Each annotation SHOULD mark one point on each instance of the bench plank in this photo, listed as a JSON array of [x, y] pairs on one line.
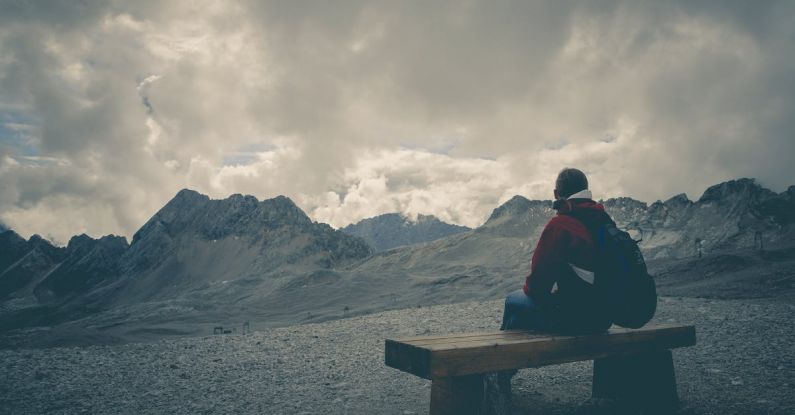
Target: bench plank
[[442, 343], [584, 341], [460, 354]]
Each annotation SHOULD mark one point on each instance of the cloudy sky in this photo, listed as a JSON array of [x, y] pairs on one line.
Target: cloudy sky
[[353, 108]]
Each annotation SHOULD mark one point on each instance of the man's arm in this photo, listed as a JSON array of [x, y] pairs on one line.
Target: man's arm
[[549, 255]]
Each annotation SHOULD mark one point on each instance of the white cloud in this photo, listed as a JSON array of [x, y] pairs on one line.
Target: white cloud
[[357, 108], [458, 190]]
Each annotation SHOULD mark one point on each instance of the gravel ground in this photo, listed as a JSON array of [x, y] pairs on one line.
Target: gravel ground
[[744, 363]]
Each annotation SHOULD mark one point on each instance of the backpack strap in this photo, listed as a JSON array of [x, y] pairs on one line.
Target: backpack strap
[[593, 222]]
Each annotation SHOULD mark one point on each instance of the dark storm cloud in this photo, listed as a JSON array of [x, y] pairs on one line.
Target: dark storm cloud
[[357, 108]]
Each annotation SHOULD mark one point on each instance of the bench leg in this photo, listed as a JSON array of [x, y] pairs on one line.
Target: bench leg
[[487, 394], [643, 381], [456, 395]]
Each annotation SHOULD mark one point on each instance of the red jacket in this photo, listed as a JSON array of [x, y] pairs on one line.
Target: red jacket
[[564, 241]]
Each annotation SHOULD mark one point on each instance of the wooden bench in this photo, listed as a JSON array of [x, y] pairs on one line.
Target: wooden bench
[[630, 366]]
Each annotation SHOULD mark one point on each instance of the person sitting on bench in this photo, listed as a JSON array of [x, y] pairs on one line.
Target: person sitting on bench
[[558, 294]]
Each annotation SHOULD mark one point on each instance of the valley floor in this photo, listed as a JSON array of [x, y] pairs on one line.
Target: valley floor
[[744, 363]]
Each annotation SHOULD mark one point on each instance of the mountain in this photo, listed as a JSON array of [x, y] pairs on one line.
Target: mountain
[[194, 243], [48, 284], [14, 247], [485, 262], [194, 257], [199, 263], [392, 230], [728, 215], [87, 263], [25, 263]]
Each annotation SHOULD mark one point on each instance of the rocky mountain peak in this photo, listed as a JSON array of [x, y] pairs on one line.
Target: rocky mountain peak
[[188, 196], [514, 205], [190, 212], [273, 232], [625, 210], [80, 242], [10, 237], [238, 201], [36, 239], [44, 246], [517, 205], [679, 200], [624, 203], [183, 205], [519, 217], [281, 210], [426, 218], [733, 189], [113, 241]]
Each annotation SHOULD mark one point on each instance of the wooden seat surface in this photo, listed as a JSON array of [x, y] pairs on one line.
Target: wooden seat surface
[[462, 354]]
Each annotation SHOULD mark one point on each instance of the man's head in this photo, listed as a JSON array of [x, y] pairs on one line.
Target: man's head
[[569, 182]]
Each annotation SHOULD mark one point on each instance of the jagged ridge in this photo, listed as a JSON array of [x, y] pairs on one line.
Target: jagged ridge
[[392, 230]]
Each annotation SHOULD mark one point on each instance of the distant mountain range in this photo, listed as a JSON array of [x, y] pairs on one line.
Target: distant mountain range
[[728, 215], [193, 248], [393, 230], [200, 262]]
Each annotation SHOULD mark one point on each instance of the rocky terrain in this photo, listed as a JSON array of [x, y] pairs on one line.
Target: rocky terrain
[[743, 363], [730, 274], [393, 230]]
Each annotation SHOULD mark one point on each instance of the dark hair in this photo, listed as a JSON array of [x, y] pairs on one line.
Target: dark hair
[[570, 181]]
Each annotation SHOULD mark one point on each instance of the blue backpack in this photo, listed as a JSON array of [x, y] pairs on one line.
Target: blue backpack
[[621, 281]]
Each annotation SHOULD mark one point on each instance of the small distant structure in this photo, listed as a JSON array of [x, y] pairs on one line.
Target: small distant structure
[[699, 247], [218, 330], [345, 310], [758, 241], [227, 331], [246, 327]]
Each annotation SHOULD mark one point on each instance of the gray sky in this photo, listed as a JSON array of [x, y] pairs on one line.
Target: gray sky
[[353, 109]]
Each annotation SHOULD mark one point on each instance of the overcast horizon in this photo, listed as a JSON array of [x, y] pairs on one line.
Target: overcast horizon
[[354, 109], [410, 216]]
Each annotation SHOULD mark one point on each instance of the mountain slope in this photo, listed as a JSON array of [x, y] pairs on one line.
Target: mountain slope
[[88, 263]]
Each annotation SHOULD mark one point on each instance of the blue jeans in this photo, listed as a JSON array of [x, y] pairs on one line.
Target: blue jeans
[[522, 313]]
